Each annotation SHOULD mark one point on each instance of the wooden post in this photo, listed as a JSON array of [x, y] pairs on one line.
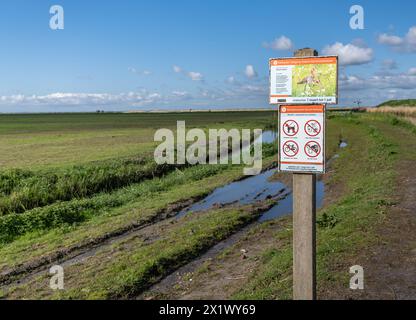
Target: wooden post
[[304, 227], [304, 236]]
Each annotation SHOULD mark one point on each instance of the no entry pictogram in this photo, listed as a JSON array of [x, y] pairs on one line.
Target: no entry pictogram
[[290, 148], [302, 138], [312, 128], [312, 149], [290, 128]]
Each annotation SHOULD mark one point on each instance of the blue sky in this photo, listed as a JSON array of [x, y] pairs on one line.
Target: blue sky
[[123, 55]]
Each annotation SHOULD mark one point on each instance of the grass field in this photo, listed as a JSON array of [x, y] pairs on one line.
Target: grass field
[[66, 205], [55, 140]]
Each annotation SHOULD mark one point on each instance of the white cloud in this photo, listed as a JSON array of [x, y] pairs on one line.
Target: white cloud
[[404, 81], [282, 43], [195, 76], [389, 40], [177, 69], [412, 71], [231, 80], [349, 54], [135, 71], [407, 43], [250, 72], [59, 99], [375, 89]]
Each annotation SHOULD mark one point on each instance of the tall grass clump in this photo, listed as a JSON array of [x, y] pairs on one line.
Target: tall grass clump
[[77, 211], [22, 190]]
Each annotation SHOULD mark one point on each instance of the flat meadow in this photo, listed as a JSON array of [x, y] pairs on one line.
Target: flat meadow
[[84, 190]]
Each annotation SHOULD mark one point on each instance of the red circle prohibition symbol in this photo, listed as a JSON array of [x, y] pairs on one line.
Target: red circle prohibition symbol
[[290, 148], [312, 128], [312, 149], [290, 128]]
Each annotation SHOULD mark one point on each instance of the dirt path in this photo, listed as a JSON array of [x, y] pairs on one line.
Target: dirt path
[[222, 270], [227, 267], [390, 265], [90, 246], [81, 251]]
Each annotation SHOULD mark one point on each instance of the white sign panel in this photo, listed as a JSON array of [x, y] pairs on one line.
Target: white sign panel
[[303, 80], [301, 138]]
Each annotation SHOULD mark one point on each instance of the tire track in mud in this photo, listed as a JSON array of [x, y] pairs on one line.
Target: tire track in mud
[[216, 286], [61, 256], [148, 235], [82, 251]]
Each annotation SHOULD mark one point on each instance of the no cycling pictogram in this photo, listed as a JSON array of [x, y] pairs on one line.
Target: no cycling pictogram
[[312, 149], [290, 128], [312, 128], [290, 148]]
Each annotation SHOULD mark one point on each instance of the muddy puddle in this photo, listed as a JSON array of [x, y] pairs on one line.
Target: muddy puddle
[[284, 206], [255, 188], [250, 190]]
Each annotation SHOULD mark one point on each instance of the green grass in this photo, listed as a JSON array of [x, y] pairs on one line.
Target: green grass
[[22, 190], [129, 272], [38, 141], [79, 210], [45, 230], [65, 177], [399, 103], [177, 185], [365, 168]]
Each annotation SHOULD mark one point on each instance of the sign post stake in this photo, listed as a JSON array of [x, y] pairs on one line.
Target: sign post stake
[[304, 227], [301, 87], [304, 236]]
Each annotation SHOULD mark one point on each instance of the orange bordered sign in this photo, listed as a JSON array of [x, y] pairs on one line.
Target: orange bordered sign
[[304, 80], [302, 138]]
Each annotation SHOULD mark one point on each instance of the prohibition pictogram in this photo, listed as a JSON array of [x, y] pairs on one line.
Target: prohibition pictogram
[[290, 148], [312, 128], [290, 128], [312, 149]]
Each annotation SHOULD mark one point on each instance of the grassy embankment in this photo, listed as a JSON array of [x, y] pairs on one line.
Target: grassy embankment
[[366, 170], [402, 108]]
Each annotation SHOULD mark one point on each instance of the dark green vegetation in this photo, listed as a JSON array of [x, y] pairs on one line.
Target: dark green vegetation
[[399, 103], [22, 189]]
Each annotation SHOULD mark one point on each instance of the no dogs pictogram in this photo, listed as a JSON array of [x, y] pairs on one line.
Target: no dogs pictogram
[[302, 138], [312, 149], [290, 128], [312, 128], [290, 148]]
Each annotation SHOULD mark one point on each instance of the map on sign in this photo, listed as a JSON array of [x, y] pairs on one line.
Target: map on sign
[[304, 80], [301, 138]]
